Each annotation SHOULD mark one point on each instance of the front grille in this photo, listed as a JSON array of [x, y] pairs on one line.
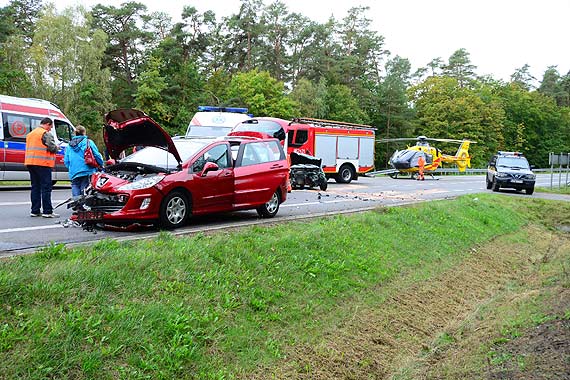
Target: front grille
[[106, 202]]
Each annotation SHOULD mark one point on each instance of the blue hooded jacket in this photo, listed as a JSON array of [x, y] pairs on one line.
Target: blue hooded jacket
[[74, 157]]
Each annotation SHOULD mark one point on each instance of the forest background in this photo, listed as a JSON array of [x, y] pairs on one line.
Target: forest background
[[276, 63]]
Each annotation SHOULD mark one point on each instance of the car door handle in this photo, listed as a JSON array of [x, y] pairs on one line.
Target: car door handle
[[276, 166]]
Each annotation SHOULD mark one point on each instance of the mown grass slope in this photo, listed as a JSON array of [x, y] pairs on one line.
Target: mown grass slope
[[235, 304]]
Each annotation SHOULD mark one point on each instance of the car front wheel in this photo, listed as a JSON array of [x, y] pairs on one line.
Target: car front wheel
[[530, 190], [496, 185], [269, 209], [489, 184], [174, 210]]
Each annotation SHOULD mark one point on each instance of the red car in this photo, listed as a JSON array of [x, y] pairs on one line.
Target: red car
[[169, 180]]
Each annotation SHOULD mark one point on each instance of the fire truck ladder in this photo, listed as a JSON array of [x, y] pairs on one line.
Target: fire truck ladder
[[330, 123]]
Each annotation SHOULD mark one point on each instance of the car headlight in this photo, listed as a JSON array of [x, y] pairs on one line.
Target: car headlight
[[502, 175], [530, 176], [144, 183]]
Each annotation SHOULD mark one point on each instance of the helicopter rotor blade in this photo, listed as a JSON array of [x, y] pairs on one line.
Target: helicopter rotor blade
[[397, 139]]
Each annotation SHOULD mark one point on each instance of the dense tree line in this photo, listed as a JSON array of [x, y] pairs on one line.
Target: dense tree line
[[276, 63]]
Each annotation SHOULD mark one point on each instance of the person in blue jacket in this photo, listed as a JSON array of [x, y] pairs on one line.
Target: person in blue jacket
[[79, 171]]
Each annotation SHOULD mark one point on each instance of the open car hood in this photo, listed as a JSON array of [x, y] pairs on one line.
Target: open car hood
[[126, 128]]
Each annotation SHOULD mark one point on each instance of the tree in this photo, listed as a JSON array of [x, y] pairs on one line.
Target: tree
[[551, 85], [126, 47], [312, 98], [262, 94], [460, 67], [523, 77], [66, 58], [447, 110], [148, 97]]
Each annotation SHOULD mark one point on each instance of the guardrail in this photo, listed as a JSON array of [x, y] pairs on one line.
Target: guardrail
[[558, 176]]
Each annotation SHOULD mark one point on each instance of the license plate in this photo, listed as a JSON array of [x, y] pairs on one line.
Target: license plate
[[89, 215], [517, 181]]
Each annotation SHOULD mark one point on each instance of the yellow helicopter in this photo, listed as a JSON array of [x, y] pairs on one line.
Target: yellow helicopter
[[406, 161]]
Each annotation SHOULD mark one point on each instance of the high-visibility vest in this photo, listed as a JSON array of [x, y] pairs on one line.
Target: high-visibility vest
[[36, 151]]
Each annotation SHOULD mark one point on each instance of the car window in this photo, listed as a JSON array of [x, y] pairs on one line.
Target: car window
[[63, 130], [16, 127], [260, 152], [218, 155]]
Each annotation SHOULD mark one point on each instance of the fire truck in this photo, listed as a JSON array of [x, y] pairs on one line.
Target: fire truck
[[346, 149], [18, 116]]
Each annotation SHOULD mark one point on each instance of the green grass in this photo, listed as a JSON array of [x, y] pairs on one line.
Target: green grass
[[555, 189], [212, 306]]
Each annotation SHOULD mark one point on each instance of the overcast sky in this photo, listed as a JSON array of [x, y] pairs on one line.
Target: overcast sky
[[500, 35]]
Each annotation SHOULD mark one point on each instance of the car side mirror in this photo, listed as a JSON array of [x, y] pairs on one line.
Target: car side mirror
[[208, 167], [532, 167]]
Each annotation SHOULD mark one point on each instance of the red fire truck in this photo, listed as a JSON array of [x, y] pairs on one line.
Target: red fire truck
[[346, 149]]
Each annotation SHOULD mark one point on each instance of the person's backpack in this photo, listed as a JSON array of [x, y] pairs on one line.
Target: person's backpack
[[89, 156]]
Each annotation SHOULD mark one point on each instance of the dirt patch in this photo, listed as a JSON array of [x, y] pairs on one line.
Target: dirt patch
[[433, 328]]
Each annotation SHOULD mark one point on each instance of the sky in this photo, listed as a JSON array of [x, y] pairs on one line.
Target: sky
[[500, 35]]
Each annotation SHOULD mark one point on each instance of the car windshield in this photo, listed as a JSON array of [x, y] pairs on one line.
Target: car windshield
[[263, 126], [207, 131], [513, 162], [163, 159]]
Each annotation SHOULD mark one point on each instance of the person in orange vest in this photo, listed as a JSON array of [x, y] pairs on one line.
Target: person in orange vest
[[40, 161], [421, 164]]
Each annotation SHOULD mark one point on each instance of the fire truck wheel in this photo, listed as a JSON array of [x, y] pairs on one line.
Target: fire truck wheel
[[345, 174]]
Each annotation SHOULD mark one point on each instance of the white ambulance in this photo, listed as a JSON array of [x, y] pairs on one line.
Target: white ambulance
[[19, 116], [212, 121]]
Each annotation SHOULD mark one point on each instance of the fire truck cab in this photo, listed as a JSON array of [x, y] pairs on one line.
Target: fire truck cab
[[18, 117], [346, 149]]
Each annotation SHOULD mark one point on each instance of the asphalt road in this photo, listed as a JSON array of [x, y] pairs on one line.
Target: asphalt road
[[19, 233]]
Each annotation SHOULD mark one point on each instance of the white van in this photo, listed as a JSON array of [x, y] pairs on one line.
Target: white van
[[211, 121], [19, 116]]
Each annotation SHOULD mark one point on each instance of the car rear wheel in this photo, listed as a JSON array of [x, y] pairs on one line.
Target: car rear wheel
[[530, 190], [269, 209], [345, 174], [174, 210]]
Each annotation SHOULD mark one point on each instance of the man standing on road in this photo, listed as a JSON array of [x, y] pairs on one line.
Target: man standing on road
[[421, 164], [79, 171], [40, 161]]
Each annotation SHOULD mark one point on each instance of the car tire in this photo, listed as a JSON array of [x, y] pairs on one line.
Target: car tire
[[174, 210], [269, 209], [323, 186], [495, 185], [345, 174], [530, 190]]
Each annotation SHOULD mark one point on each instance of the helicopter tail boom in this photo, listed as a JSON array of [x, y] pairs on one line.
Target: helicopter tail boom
[[461, 158]]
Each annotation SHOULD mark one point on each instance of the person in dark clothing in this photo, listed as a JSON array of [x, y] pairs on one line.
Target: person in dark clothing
[[40, 161]]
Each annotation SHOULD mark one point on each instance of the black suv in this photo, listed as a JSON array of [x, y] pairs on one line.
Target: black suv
[[510, 170]]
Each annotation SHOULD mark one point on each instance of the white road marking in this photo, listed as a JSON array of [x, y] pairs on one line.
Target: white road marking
[[22, 229], [54, 201]]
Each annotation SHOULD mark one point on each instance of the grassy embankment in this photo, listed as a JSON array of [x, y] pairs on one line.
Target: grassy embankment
[[221, 306]]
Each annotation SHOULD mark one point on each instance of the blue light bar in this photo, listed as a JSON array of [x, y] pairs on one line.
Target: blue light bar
[[222, 109]]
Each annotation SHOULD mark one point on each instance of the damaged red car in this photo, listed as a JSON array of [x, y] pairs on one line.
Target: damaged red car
[[169, 180]]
